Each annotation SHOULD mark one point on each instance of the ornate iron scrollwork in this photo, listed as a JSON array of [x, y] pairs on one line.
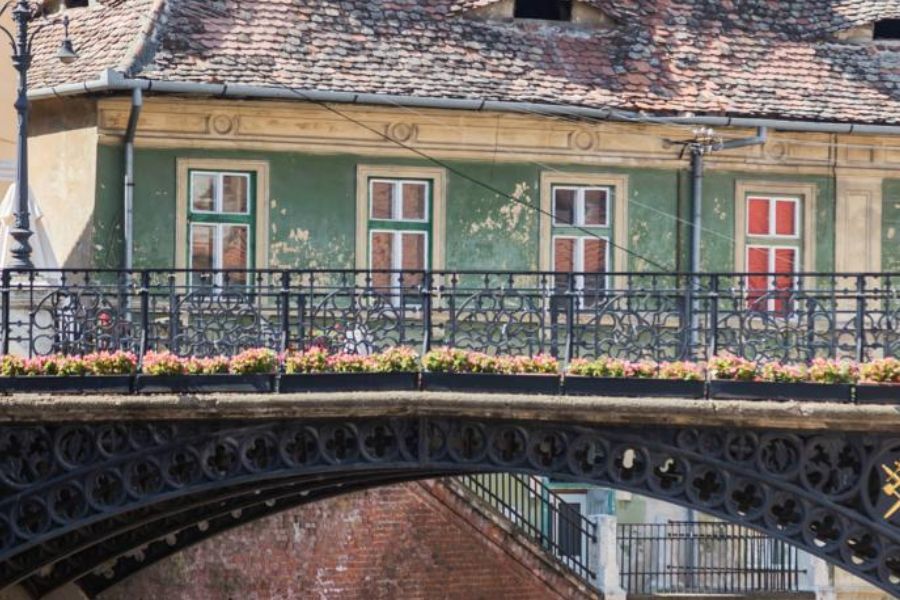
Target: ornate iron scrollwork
[[68, 487]]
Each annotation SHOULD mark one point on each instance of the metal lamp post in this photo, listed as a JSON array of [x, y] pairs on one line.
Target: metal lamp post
[[21, 40]]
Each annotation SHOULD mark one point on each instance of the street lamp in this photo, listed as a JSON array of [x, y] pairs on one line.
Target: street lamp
[[23, 12]]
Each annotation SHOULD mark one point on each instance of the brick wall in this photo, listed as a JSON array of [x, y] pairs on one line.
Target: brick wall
[[418, 540]]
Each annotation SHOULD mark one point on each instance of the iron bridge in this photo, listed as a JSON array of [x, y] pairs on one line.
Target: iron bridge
[[90, 500]]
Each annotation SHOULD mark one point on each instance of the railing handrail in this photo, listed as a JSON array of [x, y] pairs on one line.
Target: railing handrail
[[659, 316], [676, 557], [508, 493]]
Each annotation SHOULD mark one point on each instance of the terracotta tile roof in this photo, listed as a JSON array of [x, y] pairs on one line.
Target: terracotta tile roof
[[735, 57]]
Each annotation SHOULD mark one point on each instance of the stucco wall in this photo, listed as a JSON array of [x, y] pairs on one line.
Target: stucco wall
[[890, 214], [312, 211], [63, 164], [7, 112]]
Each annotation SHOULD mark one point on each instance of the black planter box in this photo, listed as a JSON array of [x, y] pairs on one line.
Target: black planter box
[[67, 384], [348, 382], [875, 393], [631, 387], [491, 383], [765, 390], [198, 384]]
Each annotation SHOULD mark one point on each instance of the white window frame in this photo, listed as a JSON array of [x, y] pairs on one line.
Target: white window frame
[[770, 279], [578, 266], [578, 220], [773, 200], [397, 199], [218, 248], [219, 191]]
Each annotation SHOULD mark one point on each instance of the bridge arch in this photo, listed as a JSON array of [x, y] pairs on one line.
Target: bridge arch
[[77, 495]]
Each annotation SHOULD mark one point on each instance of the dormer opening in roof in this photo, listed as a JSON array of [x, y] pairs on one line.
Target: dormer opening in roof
[[576, 12], [54, 6], [546, 10], [886, 30], [880, 32]]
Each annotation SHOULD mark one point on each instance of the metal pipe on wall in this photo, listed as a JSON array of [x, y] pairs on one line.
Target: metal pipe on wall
[[137, 102]]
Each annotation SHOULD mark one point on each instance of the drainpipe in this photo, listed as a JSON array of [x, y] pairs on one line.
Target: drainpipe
[[137, 102], [698, 149]]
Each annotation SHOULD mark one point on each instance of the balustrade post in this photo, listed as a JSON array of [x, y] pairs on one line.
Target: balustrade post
[[427, 301], [860, 318], [570, 320], [4, 291], [714, 317], [285, 311], [144, 294], [603, 558]]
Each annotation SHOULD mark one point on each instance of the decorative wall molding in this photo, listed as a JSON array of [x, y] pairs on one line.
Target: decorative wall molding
[[470, 135]]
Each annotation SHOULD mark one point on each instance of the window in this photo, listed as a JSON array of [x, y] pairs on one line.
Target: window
[[887, 29], [549, 10], [772, 251], [399, 228], [581, 229], [220, 224]]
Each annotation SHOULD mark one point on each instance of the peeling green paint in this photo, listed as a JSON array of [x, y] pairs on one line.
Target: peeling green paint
[[312, 212], [890, 220]]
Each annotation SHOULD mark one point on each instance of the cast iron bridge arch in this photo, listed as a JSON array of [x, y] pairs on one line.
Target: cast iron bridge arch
[[93, 502]]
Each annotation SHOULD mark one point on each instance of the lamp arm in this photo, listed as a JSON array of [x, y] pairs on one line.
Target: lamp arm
[[6, 6], [9, 36], [36, 29]]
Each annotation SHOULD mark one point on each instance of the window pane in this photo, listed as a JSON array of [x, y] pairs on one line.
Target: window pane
[[413, 258], [758, 216], [563, 255], [595, 208], [235, 251], [757, 285], [785, 217], [785, 260], [594, 262], [382, 200], [594, 256], [235, 194], [203, 243], [564, 207], [203, 192], [382, 253], [414, 198]]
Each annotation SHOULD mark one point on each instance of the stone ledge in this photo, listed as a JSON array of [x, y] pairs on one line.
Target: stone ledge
[[586, 410]]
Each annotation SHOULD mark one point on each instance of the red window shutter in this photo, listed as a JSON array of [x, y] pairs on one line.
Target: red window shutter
[[382, 257], [758, 216], [785, 263], [383, 200], [757, 284], [413, 258], [785, 217]]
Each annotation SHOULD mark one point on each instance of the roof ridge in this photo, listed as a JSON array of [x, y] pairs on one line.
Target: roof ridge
[[145, 43]]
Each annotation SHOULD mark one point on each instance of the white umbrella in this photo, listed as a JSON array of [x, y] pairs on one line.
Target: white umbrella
[[42, 256]]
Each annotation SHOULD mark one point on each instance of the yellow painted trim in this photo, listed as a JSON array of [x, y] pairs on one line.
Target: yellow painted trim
[[455, 134], [808, 194], [858, 221], [260, 168], [619, 185], [438, 179]]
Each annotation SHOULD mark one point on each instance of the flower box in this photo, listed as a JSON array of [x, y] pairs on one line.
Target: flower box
[[348, 382], [633, 387], [491, 383], [878, 393], [191, 384], [728, 389], [67, 384]]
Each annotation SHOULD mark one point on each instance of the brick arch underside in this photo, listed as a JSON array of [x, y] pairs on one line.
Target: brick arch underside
[[126, 495]]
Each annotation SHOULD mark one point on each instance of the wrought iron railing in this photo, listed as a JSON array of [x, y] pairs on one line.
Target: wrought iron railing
[[539, 514], [704, 558], [633, 315]]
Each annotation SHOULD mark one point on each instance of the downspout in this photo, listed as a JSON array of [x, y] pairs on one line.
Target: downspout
[[137, 102], [698, 149]]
